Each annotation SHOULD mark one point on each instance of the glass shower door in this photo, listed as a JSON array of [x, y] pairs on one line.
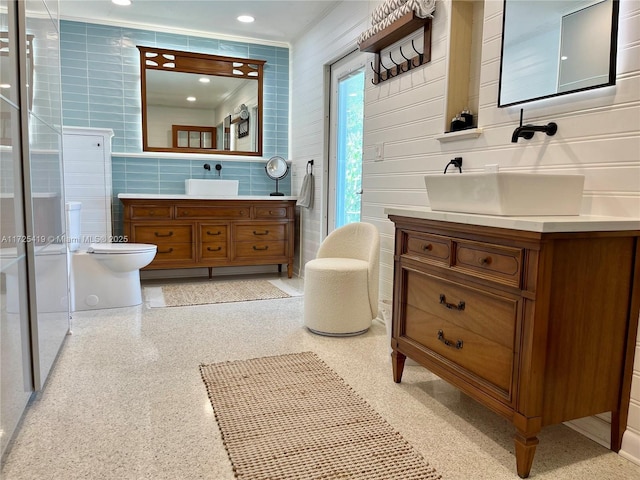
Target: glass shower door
[[16, 379]]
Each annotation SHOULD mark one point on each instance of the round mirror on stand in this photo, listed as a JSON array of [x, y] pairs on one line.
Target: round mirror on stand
[[276, 169]]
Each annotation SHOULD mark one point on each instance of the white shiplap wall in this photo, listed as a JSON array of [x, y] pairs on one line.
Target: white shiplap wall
[[598, 136], [331, 39]]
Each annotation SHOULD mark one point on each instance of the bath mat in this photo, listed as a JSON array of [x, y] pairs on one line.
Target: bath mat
[[213, 291], [291, 417]]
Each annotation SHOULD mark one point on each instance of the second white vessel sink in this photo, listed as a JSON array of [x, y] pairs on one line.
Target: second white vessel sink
[[506, 193], [197, 186]]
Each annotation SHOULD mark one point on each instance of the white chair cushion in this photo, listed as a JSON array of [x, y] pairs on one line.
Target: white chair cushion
[[336, 298]]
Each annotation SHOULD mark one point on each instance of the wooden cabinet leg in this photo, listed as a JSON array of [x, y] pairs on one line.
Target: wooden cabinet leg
[[397, 362], [525, 450], [210, 273], [290, 270]]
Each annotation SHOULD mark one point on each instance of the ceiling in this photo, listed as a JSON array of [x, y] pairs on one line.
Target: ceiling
[[276, 21]]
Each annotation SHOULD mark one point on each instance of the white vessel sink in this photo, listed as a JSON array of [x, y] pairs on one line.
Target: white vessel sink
[[506, 193], [195, 186]]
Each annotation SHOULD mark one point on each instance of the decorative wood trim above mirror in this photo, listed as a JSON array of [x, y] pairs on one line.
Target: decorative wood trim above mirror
[[165, 106]]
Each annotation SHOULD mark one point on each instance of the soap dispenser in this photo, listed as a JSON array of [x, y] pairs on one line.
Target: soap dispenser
[[457, 123], [467, 116]]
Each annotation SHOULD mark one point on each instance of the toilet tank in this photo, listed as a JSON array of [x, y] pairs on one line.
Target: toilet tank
[[73, 225]]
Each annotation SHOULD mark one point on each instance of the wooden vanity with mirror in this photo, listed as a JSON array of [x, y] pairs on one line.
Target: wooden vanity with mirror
[[196, 232], [537, 320]]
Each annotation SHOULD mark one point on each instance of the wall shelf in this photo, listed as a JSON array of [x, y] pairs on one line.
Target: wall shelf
[[459, 135], [394, 32], [464, 62], [398, 30]]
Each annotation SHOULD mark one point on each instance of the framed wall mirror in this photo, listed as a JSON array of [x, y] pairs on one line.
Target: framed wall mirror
[[556, 47], [187, 95]]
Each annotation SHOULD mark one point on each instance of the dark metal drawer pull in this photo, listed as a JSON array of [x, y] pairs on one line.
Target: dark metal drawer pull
[[166, 251], [485, 261], [157, 234], [451, 306], [212, 233], [266, 232], [449, 343], [427, 248], [217, 249], [266, 247]]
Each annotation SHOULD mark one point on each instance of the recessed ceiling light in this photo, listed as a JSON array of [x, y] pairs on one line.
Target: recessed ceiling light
[[191, 99], [5, 85], [246, 18], [204, 80], [122, 2]]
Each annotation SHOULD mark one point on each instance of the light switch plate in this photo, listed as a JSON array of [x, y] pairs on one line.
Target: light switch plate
[[379, 152]]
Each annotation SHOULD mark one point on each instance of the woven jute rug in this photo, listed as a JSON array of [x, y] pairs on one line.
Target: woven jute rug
[[291, 417], [213, 291]]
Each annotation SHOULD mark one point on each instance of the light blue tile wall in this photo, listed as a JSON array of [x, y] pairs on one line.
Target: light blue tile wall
[[101, 88]]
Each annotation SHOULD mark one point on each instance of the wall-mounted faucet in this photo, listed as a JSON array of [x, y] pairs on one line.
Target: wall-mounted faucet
[[527, 131], [207, 167], [456, 162]]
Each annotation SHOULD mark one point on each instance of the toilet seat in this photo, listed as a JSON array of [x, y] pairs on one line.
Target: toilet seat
[[121, 248]]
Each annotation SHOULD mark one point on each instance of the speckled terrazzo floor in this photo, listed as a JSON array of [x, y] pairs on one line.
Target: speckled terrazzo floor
[[126, 401]]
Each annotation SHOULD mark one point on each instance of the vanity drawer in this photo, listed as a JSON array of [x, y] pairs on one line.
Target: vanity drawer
[[431, 248], [162, 234], [173, 252], [499, 263], [213, 212], [260, 232], [150, 212], [213, 233], [472, 328], [260, 249], [214, 250], [270, 212], [214, 241]]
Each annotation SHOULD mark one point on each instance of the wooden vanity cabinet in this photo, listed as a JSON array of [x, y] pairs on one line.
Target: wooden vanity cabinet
[[539, 327], [193, 233]]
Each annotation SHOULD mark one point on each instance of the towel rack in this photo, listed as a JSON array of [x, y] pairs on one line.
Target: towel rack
[[310, 166]]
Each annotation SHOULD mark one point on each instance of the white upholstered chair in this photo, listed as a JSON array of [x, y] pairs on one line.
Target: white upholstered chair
[[341, 283]]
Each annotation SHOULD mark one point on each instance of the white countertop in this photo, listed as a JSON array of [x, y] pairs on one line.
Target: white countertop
[[548, 224], [178, 196]]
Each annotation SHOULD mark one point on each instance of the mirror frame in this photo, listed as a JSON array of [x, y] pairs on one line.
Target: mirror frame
[[613, 53], [204, 64]]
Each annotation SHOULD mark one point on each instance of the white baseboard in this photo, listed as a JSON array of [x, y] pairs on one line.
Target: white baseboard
[[596, 428], [631, 446]]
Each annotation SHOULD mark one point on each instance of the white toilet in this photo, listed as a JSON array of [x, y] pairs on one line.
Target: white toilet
[[104, 275]]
